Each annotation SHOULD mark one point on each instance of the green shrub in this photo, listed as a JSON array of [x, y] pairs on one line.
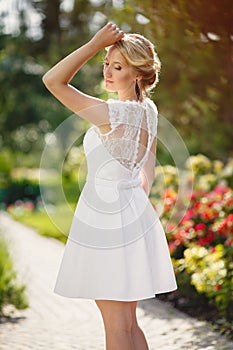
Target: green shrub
[[10, 292], [20, 190]]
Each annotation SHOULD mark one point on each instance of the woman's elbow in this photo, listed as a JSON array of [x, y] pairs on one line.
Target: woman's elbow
[[48, 80], [52, 84]]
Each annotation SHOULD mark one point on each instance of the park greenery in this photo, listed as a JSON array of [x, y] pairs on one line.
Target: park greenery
[[11, 292], [194, 43]]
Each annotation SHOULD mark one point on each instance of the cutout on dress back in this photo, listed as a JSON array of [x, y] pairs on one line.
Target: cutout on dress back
[[128, 140]]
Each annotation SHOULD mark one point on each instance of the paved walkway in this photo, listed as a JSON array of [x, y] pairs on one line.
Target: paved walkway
[[56, 323]]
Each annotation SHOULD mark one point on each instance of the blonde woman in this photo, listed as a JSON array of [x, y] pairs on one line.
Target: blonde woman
[[116, 252]]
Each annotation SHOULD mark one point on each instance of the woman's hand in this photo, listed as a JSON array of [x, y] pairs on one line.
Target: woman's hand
[[107, 36]]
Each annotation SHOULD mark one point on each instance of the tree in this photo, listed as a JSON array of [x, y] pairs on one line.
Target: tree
[[193, 41], [195, 46]]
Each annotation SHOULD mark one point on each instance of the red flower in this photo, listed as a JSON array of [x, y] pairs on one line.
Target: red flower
[[209, 214], [200, 226], [218, 287], [226, 226], [193, 196], [197, 205], [206, 240], [229, 203]]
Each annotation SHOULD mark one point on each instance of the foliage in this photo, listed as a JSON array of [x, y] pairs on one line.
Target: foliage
[[201, 244], [194, 88], [194, 44], [22, 183], [36, 216], [11, 293], [24, 202]]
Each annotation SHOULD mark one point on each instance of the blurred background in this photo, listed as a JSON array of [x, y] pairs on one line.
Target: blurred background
[[194, 43]]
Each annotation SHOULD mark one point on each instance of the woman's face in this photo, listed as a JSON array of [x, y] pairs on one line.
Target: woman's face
[[119, 76]]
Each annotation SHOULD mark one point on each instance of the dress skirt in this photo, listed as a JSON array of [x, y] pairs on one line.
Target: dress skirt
[[116, 248]]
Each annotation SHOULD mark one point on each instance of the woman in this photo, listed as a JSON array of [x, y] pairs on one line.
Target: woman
[[116, 252]]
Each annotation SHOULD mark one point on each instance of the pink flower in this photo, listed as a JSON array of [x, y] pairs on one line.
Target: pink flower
[[221, 189], [188, 215], [172, 247], [28, 206], [229, 242], [171, 226]]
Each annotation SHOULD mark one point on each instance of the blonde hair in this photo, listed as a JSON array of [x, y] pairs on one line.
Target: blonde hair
[[140, 53]]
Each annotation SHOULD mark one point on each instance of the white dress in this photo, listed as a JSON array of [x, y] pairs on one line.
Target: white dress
[[117, 248]]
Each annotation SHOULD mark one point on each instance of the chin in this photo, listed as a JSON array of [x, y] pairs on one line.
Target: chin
[[110, 90]]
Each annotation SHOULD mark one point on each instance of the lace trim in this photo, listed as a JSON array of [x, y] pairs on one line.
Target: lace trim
[[122, 141]]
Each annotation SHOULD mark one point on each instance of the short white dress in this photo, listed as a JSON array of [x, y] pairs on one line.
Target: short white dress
[[117, 248]]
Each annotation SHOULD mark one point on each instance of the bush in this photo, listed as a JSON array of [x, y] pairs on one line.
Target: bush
[[18, 190], [201, 245], [10, 292], [22, 184]]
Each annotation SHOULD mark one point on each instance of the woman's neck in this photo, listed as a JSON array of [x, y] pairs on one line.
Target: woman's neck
[[129, 97]]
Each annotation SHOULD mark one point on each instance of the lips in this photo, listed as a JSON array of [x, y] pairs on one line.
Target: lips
[[108, 81]]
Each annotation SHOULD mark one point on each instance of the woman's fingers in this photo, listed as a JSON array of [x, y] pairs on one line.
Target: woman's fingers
[[108, 35], [115, 32], [118, 32], [115, 28]]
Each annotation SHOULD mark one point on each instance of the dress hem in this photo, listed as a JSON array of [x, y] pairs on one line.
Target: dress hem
[[115, 298]]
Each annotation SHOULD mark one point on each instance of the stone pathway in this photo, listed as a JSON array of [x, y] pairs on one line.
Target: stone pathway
[[56, 323]]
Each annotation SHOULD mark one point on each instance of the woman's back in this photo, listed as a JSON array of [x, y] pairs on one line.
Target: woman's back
[[133, 129]]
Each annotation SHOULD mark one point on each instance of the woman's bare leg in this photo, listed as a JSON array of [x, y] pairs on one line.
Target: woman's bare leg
[[139, 339], [117, 318]]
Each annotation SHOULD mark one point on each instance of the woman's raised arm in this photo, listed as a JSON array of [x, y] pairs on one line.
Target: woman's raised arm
[[58, 77]]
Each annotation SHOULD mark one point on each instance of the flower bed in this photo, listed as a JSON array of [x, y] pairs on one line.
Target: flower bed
[[201, 244]]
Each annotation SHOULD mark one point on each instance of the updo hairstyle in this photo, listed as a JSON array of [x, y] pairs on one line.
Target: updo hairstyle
[[139, 52]]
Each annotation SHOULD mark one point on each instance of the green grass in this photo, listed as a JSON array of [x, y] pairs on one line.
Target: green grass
[[55, 225]]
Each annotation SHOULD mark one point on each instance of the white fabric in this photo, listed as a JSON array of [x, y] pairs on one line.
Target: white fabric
[[116, 248], [127, 120]]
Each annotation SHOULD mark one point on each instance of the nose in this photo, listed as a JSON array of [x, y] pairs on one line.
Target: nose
[[107, 72]]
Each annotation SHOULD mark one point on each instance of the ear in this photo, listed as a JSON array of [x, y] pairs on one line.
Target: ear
[[138, 77]]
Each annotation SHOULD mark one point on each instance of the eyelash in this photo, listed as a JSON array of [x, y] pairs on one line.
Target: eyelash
[[107, 64]]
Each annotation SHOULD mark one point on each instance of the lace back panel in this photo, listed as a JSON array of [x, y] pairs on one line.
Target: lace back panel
[[133, 128]]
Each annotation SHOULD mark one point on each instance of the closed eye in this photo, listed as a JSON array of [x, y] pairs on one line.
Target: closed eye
[[105, 63]]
